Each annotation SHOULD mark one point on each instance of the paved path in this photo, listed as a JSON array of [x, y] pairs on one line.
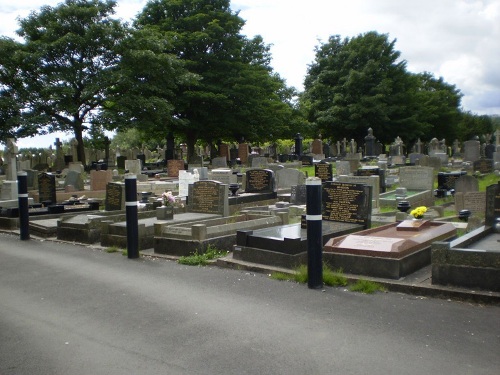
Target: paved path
[[70, 309]]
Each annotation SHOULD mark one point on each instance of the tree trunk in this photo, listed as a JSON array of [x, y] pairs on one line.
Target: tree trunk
[[190, 142], [80, 149]]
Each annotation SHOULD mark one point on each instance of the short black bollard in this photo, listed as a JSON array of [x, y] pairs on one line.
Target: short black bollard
[[132, 219], [24, 216], [314, 233]]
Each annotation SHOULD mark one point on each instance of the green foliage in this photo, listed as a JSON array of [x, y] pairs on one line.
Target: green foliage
[[333, 278], [113, 249], [366, 286], [330, 278], [202, 259]]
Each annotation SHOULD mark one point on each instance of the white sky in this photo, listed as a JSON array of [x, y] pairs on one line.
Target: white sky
[[458, 40]]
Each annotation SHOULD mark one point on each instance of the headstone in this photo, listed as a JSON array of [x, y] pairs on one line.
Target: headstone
[[185, 179], [133, 166], [10, 153], [472, 150], [434, 147], [224, 176], [343, 168], [434, 162], [416, 178], [76, 166], [483, 166], [373, 181], [74, 179], [317, 146], [347, 203], [398, 160], [298, 144], [208, 197], [370, 149], [115, 196], [243, 152], [372, 171], [492, 204], [307, 160], [258, 161], [259, 181], [100, 179], [288, 177], [298, 194], [414, 157], [174, 166], [489, 150], [47, 188], [59, 163], [447, 180], [472, 201], [465, 184], [324, 171], [224, 151], [219, 162]]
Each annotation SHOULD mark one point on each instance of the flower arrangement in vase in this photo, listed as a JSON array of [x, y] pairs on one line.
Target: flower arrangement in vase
[[167, 198], [418, 213]]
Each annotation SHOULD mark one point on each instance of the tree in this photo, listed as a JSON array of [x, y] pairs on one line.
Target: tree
[[67, 64], [471, 125], [358, 83], [237, 95]]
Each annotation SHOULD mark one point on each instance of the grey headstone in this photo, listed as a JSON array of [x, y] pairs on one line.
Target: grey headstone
[[466, 184], [416, 178]]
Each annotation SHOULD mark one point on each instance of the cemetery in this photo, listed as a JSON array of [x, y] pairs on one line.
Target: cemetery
[[253, 204]]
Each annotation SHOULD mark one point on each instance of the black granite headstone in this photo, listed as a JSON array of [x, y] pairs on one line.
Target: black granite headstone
[[307, 160], [446, 181], [492, 204], [323, 171], [114, 196], [298, 194], [47, 187], [347, 203], [259, 181]]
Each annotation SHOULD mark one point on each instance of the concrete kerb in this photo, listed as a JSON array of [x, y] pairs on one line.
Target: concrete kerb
[[434, 291]]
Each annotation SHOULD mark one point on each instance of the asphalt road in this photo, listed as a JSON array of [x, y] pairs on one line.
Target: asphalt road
[[70, 309]]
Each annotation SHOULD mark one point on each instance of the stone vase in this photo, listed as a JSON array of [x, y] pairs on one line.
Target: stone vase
[[165, 212]]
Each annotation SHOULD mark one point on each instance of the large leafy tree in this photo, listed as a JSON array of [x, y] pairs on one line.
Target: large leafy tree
[[236, 95], [358, 83], [66, 65]]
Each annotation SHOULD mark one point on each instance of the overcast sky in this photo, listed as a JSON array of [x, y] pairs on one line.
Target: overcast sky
[[458, 40]]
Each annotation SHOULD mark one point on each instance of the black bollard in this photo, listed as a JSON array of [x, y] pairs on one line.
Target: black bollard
[[314, 233], [24, 216], [132, 220]]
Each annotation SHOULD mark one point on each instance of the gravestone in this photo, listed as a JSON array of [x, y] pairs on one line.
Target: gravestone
[[483, 166], [416, 178], [424, 161], [224, 176], [224, 152], [99, 179], [324, 171], [288, 177], [260, 181], [343, 168], [185, 179], [374, 171], [373, 181], [465, 184], [115, 196], [317, 146], [120, 161], [347, 203], [208, 197], [74, 178], [298, 195], [414, 157], [47, 188], [447, 180], [258, 161], [219, 162], [492, 204], [472, 201], [370, 149], [174, 166], [243, 152], [472, 150], [307, 160], [133, 166], [32, 179], [398, 160]]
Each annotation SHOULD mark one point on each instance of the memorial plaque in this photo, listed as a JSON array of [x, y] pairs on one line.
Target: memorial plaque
[[174, 166], [347, 203], [115, 199], [47, 187], [483, 166], [298, 194], [259, 181], [323, 171], [208, 197]]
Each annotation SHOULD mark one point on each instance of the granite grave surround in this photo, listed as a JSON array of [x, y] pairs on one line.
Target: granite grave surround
[[472, 260], [283, 246], [391, 251], [187, 238]]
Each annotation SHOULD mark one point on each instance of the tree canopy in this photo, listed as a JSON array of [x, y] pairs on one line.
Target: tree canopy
[[65, 66], [360, 83]]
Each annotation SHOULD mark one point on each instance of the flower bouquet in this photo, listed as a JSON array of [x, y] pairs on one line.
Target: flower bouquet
[[418, 213]]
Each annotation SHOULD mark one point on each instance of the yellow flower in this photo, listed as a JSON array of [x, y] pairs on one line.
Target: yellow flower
[[418, 212]]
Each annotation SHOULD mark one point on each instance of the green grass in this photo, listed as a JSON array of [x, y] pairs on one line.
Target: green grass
[[487, 180], [113, 249], [330, 278], [202, 259], [367, 287]]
